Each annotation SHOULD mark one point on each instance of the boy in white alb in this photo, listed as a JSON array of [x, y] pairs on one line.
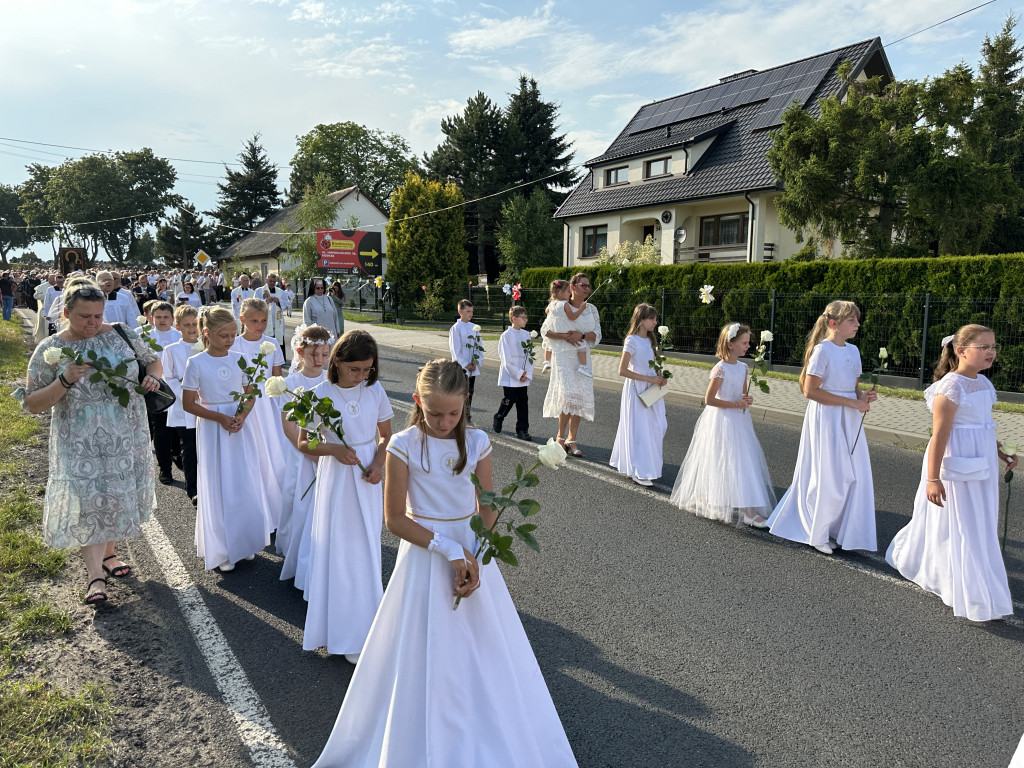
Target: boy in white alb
[[467, 348], [174, 357], [515, 352]]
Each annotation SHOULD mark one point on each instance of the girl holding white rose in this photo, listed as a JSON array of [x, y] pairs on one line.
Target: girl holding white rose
[[724, 475], [641, 432], [266, 411], [832, 495], [951, 545], [231, 507], [437, 686]]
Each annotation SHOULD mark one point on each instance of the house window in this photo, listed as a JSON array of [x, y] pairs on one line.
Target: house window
[[618, 175], [727, 229], [659, 167], [594, 239]]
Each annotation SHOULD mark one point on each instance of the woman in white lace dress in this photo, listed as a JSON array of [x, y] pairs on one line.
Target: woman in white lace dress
[[570, 395]]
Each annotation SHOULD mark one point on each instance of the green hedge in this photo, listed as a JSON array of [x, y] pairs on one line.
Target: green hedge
[[890, 292]]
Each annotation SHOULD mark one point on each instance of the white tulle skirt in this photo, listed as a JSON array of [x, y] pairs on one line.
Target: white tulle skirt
[[953, 551], [271, 447], [639, 439], [832, 495], [724, 475], [231, 509], [436, 687], [294, 527]]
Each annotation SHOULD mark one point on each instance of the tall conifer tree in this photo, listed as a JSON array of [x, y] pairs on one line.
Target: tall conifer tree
[[249, 195]]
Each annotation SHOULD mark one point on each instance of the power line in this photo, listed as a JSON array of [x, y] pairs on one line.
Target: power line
[[111, 151], [938, 23]]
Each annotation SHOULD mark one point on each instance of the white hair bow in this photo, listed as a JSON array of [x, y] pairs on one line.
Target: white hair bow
[[948, 339]]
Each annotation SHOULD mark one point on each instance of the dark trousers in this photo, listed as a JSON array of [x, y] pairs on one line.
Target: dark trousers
[[469, 399], [163, 438], [188, 458], [520, 398]]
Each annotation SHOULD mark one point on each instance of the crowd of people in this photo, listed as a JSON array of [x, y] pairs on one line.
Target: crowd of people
[[320, 490]]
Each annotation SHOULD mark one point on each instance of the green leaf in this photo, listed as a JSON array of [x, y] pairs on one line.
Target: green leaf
[[527, 538], [123, 399], [474, 479], [529, 507], [507, 556], [487, 557], [508, 490], [502, 502], [529, 481], [141, 390], [96, 377], [519, 471], [91, 354], [486, 498], [476, 523]]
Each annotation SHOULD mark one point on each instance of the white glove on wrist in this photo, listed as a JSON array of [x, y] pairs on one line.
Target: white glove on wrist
[[442, 545]]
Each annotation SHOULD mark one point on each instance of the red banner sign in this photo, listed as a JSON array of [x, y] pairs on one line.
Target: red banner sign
[[352, 251]]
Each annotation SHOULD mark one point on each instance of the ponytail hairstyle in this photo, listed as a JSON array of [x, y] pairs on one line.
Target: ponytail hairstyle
[[251, 305], [557, 286], [353, 347], [835, 312], [640, 313], [948, 361], [213, 318], [308, 336], [441, 377], [726, 336]]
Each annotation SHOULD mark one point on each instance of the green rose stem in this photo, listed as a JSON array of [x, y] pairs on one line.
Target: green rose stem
[[873, 376], [1007, 477], [254, 375], [105, 371]]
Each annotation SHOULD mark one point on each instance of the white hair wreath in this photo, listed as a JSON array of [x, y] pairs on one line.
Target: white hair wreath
[[733, 330], [299, 341]]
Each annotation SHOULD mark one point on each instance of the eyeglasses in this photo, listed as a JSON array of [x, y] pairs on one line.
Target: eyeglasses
[[360, 371], [318, 287], [985, 347]]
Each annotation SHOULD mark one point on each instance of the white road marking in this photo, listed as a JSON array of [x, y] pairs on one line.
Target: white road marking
[[265, 746], [609, 475]]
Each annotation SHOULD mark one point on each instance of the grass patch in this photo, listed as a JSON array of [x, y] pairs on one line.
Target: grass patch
[[356, 317], [43, 726], [17, 427]]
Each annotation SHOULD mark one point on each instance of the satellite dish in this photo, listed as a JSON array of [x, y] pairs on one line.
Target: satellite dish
[[680, 235]]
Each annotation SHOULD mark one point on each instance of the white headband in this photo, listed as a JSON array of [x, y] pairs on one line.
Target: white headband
[[948, 339], [733, 330], [299, 341]]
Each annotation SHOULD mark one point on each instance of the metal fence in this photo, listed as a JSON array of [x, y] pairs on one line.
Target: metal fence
[[909, 326]]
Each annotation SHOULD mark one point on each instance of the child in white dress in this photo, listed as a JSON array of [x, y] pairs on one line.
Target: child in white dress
[[638, 440], [724, 475], [266, 411], [311, 346], [174, 358], [562, 316], [344, 574], [434, 686], [230, 522], [832, 496], [951, 545]]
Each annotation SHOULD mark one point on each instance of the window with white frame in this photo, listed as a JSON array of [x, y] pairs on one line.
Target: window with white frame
[[593, 239]]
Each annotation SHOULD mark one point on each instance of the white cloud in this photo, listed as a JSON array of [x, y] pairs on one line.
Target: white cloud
[[377, 57], [315, 11], [588, 144], [424, 128], [494, 34]]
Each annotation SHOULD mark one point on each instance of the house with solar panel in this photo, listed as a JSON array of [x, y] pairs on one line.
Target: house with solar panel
[[692, 171]]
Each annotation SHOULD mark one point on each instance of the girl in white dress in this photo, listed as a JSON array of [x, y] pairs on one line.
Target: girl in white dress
[[951, 545], [231, 507], [437, 687], [638, 440], [724, 475], [832, 496], [266, 411], [311, 346], [563, 315], [343, 586]]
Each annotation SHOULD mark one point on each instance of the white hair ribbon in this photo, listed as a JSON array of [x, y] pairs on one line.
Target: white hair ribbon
[[733, 330], [948, 339]]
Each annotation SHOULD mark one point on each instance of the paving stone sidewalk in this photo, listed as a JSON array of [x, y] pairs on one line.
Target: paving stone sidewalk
[[891, 420]]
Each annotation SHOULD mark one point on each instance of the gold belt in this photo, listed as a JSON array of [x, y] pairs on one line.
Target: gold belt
[[410, 513]]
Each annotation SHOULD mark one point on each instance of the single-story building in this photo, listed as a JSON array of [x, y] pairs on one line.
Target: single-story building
[[264, 250], [692, 171]]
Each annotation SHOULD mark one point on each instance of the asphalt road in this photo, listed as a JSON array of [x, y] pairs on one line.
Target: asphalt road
[[668, 640]]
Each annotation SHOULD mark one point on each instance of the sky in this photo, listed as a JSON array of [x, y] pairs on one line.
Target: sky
[[193, 79]]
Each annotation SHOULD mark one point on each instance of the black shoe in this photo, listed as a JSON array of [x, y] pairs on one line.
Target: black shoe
[[166, 479], [497, 424], [195, 501], [524, 436]]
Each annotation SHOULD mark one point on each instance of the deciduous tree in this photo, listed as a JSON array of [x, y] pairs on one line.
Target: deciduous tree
[[527, 235], [317, 211], [13, 233]]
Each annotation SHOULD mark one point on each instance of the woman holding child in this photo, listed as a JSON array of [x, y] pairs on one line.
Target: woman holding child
[[570, 395]]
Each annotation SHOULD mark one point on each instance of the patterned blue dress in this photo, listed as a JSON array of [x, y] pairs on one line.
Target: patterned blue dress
[[101, 484]]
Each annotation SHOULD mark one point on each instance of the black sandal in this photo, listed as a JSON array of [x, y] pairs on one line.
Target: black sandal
[[96, 597], [118, 571]]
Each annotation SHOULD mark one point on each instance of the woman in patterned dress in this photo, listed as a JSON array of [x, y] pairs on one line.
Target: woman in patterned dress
[[101, 483]]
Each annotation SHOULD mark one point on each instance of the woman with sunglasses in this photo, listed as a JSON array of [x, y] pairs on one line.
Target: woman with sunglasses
[[321, 309], [101, 480]]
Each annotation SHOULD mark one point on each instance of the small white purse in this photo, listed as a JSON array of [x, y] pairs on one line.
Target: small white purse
[[653, 394], [963, 468]]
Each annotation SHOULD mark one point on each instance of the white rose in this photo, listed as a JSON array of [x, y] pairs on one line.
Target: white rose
[[766, 336], [1010, 449], [298, 391], [663, 330], [552, 454], [626, 262], [883, 353], [198, 347], [51, 355], [141, 320], [276, 386], [268, 347], [476, 329], [534, 335]]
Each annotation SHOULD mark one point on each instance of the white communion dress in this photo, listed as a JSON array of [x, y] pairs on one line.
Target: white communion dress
[[300, 469], [832, 495], [639, 439], [436, 687], [339, 563], [266, 421], [231, 508], [953, 550], [724, 475]]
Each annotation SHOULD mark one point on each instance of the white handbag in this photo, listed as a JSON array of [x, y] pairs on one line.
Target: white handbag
[[653, 394], [969, 468]]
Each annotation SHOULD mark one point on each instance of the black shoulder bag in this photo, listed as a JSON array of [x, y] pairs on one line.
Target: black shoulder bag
[[155, 402]]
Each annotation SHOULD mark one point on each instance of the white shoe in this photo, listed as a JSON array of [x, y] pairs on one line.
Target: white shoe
[[644, 483], [825, 548], [226, 567], [584, 371], [547, 365], [352, 658], [250, 558], [755, 522]]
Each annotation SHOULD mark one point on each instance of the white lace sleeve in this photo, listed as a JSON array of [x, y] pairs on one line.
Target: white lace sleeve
[[717, 372], [949, 387]]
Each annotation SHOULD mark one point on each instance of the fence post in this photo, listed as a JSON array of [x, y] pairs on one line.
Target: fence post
[[359, 290], [924, 338], [771, 329], [662, 315]]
